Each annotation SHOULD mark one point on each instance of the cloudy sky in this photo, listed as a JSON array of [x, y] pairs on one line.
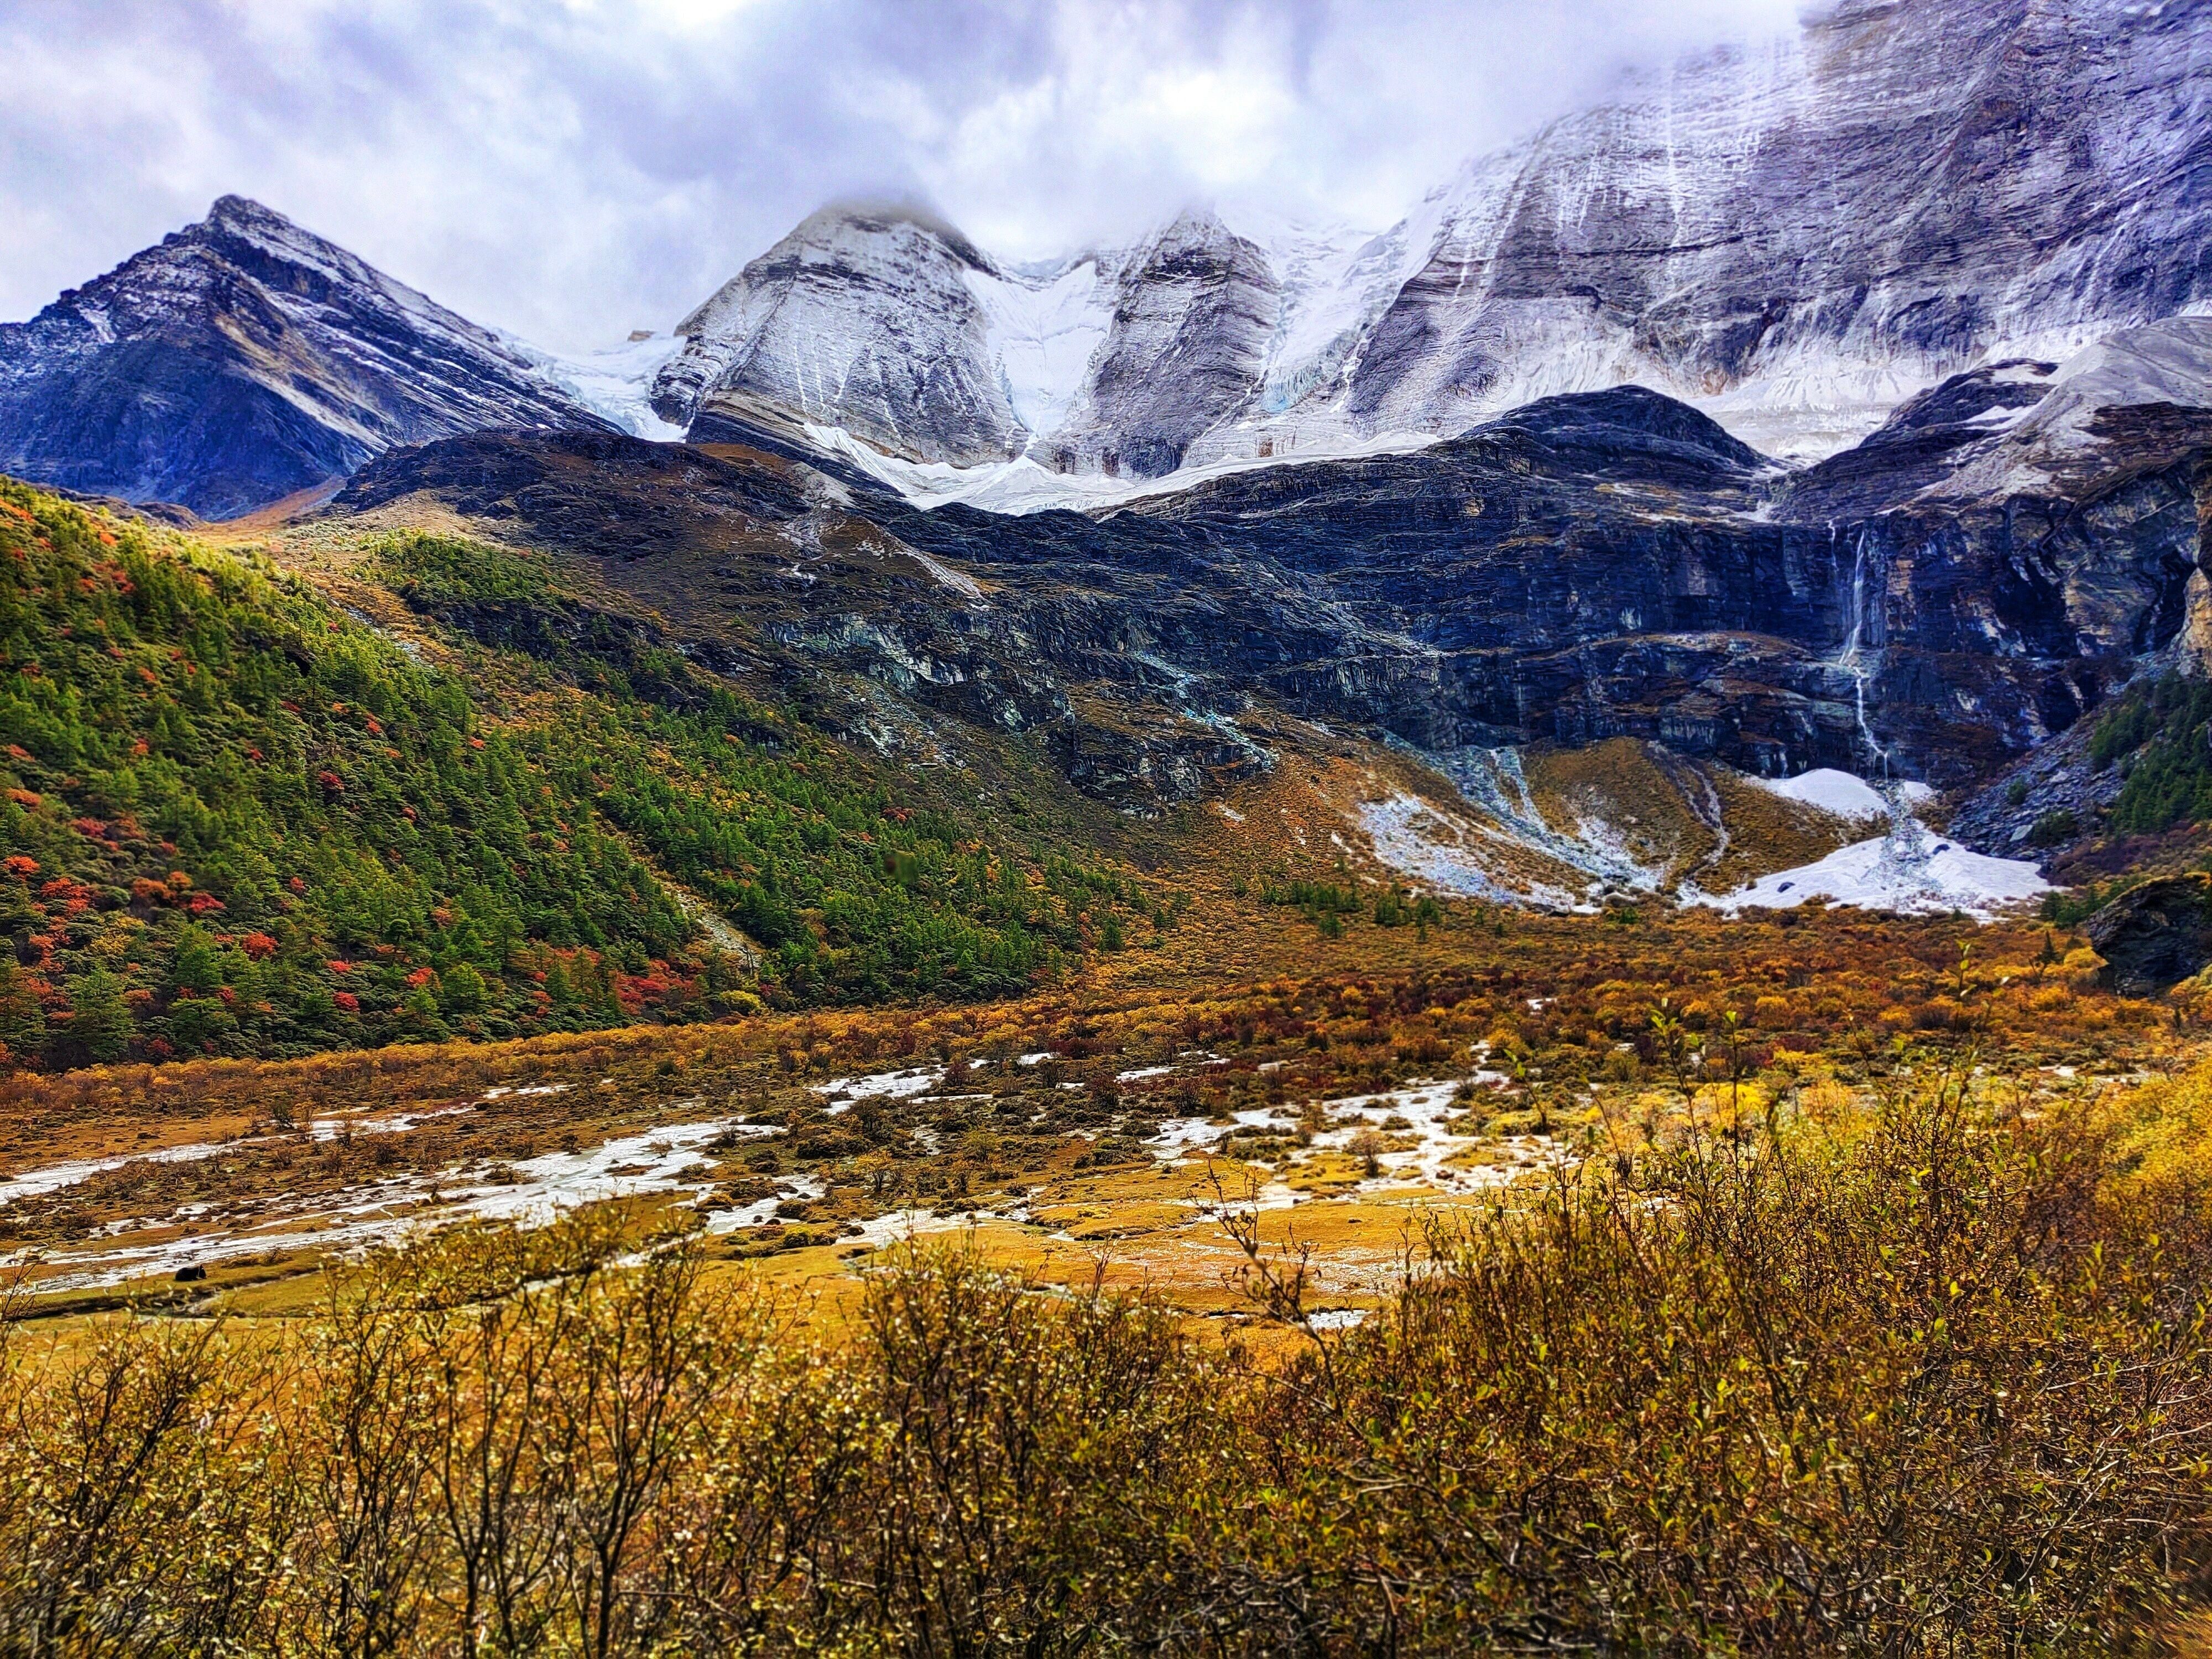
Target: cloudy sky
[[571, 169]]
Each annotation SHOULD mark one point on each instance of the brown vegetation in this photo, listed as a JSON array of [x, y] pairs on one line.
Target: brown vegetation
[[1929, 1378]]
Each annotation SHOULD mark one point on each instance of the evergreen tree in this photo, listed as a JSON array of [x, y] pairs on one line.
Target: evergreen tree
[[22, 1022], [101, 1020]]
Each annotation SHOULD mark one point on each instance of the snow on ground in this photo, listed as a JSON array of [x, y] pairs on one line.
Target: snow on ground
[[1022, 486], [761, 1211], [884, 1085], [1840, 792], [965, 585], [1429, 1109], [1418, 842], [530, 1192], [672, 1160], [1868, 873], [1337, 1319], [1423, 1111], [657, 1161], [1178, 1136], [37, 1184], [896, 1226], [324, 1129]]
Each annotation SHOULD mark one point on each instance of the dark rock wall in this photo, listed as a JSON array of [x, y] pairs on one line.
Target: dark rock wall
[[1595, 566]]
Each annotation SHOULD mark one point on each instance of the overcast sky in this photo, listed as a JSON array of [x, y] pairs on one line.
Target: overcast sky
[[572, 169]]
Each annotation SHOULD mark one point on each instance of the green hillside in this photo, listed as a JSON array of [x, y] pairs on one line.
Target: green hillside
[[239, 821]]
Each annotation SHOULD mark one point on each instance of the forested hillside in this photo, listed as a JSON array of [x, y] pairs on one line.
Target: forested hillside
[[240, 821]]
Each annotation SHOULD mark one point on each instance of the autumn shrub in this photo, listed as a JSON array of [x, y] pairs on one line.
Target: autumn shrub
[[1929, 1379], [1941, 1389]]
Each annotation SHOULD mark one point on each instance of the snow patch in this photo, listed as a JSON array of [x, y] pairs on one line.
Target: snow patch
[[656, 1162], [1840, 792], [615, 383], [1434, 849], [1019, 487], [1870, 874], [1337, 1319], [1044, 331], [887, 1085]]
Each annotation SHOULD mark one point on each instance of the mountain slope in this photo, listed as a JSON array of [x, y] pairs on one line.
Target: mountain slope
[[1806, 232], [860, 318], [1797, 237], [1949, 595], [242, 359], [239, 818]]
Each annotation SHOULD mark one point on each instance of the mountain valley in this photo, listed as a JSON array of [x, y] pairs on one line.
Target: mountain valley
[[1495, 936]]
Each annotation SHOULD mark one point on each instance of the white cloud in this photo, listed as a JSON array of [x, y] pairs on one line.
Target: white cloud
[[574, 170]]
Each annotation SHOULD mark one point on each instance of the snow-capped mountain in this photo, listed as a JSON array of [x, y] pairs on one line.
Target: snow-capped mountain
[[243, 358], [861, 319], [1795, 237], [1800, 235]]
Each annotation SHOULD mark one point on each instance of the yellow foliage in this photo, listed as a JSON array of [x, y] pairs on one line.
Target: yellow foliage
[[2082, 967], [2163, 1131]]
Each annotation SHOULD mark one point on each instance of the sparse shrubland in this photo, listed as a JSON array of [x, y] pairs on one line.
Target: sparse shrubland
[[1791, 1332], [1931, 1378]]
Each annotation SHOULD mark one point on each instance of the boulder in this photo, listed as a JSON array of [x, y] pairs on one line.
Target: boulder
[[2155, 935]]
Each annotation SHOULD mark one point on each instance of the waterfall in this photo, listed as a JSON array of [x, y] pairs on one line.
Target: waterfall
[[1852, 660], [1905, 848]]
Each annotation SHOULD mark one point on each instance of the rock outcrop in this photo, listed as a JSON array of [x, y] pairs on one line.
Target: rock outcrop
[[2155, 934]]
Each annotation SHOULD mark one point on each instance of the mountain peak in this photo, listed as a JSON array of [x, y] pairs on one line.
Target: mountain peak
[[243, 358], [1790, 260], [874, 218], [238, 223], [245, 213]]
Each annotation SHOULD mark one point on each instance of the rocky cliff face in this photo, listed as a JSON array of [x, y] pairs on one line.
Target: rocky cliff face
[[242, 359], [1795, 237], [1193, 311], [1804, 233], [1940, 600]]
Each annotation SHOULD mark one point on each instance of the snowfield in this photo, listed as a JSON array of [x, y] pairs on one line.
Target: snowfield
[[1868, 873], [615, 382]]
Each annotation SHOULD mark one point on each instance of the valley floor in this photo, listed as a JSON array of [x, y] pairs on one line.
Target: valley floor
[[1121, 1119], [1874, 1243]]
